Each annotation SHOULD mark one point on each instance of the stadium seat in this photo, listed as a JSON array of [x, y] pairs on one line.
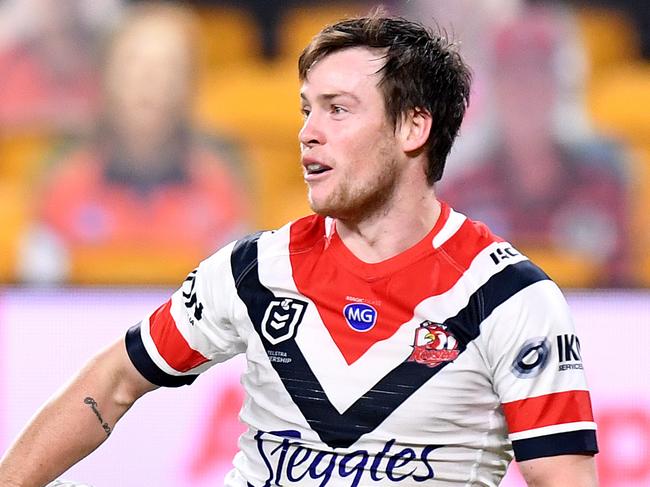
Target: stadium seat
[[280, 186], [257, 104], [609, 38], [111, 265], [567, 269], [227, 36], [301, 23], [619, 101], [14, 218], [23, 154], [254, 102]]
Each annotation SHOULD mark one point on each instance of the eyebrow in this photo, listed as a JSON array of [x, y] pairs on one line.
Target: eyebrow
[[331, 96]]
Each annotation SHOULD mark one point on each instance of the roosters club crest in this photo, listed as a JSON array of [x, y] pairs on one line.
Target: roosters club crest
[[433, 345], [281, 318]]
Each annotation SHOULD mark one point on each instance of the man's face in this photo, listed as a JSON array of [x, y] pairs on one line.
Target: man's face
[[349, 152]]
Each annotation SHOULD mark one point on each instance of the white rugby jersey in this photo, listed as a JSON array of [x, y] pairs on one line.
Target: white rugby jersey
[[432, 367]]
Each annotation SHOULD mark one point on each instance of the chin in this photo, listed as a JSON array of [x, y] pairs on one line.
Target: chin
[[334, 205], [334, 211], [322, 208]]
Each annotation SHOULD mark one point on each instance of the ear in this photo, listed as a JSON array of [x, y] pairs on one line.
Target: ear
[[414, 130]]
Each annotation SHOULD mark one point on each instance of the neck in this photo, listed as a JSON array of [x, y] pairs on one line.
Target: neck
[[391, 230]]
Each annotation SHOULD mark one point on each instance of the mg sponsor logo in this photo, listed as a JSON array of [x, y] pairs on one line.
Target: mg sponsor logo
[[360, 316]]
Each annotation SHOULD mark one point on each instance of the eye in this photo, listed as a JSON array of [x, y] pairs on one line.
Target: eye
[[337, 109], [305, 111]]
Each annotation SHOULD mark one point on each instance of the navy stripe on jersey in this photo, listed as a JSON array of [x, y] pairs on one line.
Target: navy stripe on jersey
[[570, 442], [498, 289], [370, 410], [149, 370]]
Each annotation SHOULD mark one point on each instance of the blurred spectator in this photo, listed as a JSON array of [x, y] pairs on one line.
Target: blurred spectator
[[147, 194], [48, 77], [564, 195], [472, 25]]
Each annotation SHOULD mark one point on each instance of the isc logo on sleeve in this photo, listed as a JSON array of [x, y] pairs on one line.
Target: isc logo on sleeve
[[360, 316]]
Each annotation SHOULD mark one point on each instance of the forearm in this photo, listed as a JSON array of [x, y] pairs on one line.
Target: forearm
[[72, 424], [62, 433]]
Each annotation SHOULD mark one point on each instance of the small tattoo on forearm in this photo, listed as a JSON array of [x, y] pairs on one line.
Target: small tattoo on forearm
[[93, 404]]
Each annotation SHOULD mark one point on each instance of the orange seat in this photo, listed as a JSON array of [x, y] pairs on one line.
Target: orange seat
[[257, 104], [619, 101], [227, 36], [110, 265], [565, 268], [254, 102], [23, 154], [300, 24], [15, 215], [609, 38], [281, 191]]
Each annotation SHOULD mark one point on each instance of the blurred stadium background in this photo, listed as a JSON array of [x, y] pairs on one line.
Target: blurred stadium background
[[135, 138]]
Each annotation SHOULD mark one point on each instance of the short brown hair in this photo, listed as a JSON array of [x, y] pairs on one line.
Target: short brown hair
[[422, 71]]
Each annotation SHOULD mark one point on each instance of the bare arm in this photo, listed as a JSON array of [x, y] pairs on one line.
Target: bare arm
[[75, 421], [560, 471]]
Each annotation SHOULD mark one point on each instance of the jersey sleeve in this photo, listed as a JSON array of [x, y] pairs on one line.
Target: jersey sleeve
[[538, 374], [191, 331]]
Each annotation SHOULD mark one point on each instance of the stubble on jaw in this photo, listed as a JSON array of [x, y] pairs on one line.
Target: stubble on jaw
[[353, 201]]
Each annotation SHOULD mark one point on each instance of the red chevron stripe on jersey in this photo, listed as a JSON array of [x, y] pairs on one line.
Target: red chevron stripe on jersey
[[329, 274], [547, 410], [171, 345]]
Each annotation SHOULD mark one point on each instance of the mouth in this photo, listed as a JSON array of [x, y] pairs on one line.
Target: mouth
[[314, 168]]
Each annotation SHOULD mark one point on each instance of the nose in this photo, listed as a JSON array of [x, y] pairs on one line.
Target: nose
[[311, 133]]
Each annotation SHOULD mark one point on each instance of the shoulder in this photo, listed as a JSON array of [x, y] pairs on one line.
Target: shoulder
[[462, 238], [295, 236], [486, 259]]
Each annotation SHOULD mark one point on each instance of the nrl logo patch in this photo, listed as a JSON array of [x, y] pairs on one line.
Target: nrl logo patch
[[433, 345], [281, 319]]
